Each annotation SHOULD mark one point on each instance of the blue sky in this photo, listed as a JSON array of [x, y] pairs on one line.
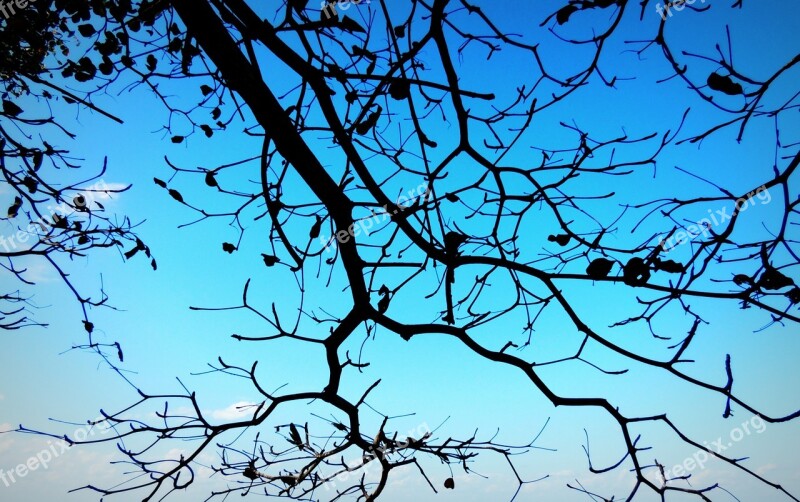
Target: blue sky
[[433, 377]]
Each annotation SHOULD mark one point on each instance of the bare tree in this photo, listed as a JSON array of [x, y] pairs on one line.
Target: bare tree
[[364, 117]]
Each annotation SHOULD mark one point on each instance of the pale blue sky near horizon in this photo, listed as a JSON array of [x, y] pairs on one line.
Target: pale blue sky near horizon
[[431, 376]]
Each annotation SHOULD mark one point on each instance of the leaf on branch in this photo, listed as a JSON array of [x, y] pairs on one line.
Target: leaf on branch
[[367, 124], [10, 108], [151, 63], [13, 210], [669, 266], [351, 25], [228, 247], [294, 436], [106, 67], [38, 157], [174, 45], [383, 304], [315, 228], [452, 241], [30, 183], [87, 30], [177, 139], [60, 222], [269, 260], [160, 183], [400, 89], [636, 272], [176, 195], [794, 295], [250, 473], [85, 70], [560, 239], [206, 90], [449, 483], [211, 180], [724, 84], [772, 280], [563, 14], [599, 268]]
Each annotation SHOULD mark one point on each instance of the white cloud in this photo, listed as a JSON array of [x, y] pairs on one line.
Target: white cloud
[[764, 469], [236, 411], [100, 191], [36, 271], [6, 440]]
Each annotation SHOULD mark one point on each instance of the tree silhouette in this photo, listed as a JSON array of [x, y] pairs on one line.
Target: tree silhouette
[[494, 228], [53, 216]]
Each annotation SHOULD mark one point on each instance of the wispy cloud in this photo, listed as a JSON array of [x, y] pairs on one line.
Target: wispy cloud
[[38, 271], [6, 440], [764, 469], [104, 197], [236, 411]]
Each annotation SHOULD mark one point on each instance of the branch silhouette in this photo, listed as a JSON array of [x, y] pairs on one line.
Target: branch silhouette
[[371, 105]]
